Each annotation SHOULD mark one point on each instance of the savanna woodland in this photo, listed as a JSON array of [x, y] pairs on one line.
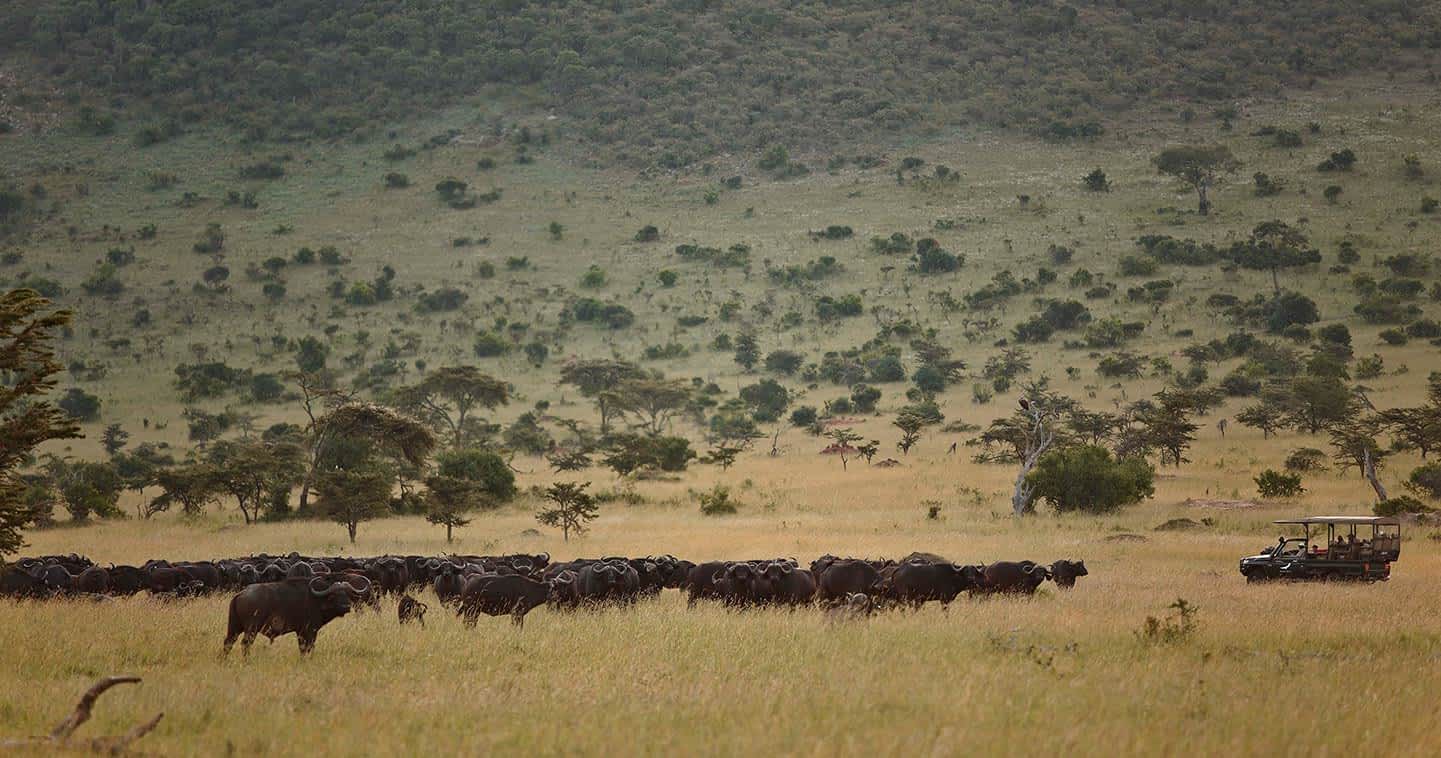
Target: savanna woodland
[[708, 341]]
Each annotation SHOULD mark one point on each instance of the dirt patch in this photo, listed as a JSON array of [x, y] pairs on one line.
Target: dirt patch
[[1126, 537], [1225, 505]]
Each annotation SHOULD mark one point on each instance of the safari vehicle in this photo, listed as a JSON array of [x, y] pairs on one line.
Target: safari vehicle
[[1358, 548]]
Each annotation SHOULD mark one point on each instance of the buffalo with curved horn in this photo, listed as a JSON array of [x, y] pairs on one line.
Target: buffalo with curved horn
[[300, 606]]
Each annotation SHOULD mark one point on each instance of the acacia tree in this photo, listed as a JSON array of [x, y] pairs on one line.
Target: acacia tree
[[1198, 166], [1168, 427], [1266, 416], [1419, 427], [28, 363], [249, 470], [1274, 245], [347, 421], [572, 508], [446, 396], [1312, 403], [1355, 442], [598, 380], [653, 401], [192, 485], [843, 437], [910, 425], [137, 469]]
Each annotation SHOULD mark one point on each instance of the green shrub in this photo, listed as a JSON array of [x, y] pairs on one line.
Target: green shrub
[[80, 404], [1088, 479], [1425, 480], [488, 344], [717, 502], [1400, 506], [1274, 484]]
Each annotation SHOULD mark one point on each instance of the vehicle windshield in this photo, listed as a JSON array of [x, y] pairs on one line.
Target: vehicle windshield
[[1291, 548]]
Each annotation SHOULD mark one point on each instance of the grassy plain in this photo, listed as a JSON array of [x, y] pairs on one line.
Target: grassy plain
[[1330, 670]]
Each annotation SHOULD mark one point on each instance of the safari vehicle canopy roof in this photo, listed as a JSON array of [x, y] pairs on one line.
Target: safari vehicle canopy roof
[[1377, 520]]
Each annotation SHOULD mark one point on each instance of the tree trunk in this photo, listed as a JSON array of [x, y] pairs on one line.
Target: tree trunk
[[1205, 204], [351, 528], [448, 529], [1370, 471]]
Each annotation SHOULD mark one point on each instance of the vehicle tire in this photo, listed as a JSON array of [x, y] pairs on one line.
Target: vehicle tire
[[1255, 577]]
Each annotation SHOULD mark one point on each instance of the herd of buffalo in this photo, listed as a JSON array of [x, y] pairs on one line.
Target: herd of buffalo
[[277, 595]]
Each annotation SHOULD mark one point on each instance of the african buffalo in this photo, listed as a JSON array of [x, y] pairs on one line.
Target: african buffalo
[[741, 583], [1014, 577], [1066, 572], [409, 609], [296, 606], [607, 581], [448, 583], [17, 582], [844, 576], [916, 583], [500, 594], [126, 580], [789, 585], [94, 580]]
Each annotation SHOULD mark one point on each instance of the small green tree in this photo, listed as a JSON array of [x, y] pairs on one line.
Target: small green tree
[[86, 488], [572, 508], [1096, 181], [1198, 166], [841, 443], [1274, 245], [1268, 417], [351, 496], [723, 456], [910, 426], [114, 439], [1087, 478], [747, 351], [464, 480]]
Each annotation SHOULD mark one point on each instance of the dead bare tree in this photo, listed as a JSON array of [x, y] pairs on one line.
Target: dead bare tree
[[62, 737], [1040, 434]]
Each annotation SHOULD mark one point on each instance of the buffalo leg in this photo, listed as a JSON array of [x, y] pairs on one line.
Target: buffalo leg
[[306, 642], [245, 643]]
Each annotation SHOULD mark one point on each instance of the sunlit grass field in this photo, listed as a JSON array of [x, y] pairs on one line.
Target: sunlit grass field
[[1328, 669]]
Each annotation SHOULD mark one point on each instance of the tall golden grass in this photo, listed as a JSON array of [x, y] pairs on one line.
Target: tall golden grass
[[1328, 669]]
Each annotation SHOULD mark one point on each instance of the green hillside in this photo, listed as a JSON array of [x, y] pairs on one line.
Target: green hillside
[[669, 83]]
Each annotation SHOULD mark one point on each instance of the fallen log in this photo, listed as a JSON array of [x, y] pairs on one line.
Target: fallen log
[[62, 737]]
